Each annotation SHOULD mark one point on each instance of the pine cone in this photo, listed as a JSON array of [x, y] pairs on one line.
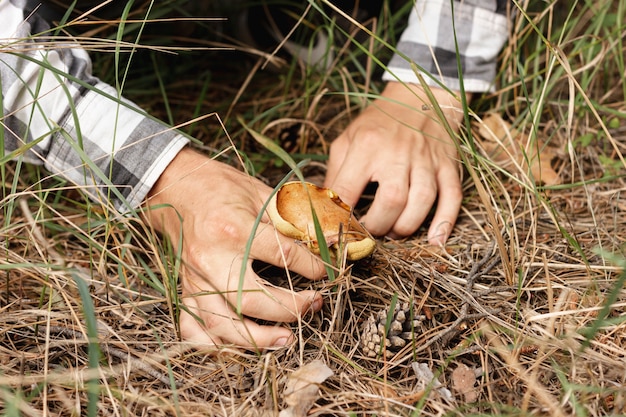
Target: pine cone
[[401, 331]]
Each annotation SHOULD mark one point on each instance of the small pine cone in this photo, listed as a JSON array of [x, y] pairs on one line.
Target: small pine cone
[[376, 339]]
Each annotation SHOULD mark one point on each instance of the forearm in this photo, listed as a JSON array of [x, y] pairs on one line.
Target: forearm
[[75, 125]]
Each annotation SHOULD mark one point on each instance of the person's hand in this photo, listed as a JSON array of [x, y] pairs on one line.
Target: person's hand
[[398, 142], [212, 209]]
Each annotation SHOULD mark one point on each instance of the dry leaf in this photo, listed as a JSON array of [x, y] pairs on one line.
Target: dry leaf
[[463, 381], [510, 149], [302, 388]]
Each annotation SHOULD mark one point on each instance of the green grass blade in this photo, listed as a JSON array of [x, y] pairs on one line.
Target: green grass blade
[[93, 347], [390, 314]]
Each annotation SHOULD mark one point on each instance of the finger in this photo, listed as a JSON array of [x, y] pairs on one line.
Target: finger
[[336, 156], [221, 326], [348, 177], [272, 303], [389, 201], [276, 249], [421, 197], [193, 330], [448, 206], [249, 294]]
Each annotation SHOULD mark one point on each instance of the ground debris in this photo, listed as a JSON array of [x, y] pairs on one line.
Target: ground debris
[[302, 388], [513, 150], [464, 381], [426, 380]]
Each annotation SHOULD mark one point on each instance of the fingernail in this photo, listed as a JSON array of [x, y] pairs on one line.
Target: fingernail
[[317, 304], [281, 341]]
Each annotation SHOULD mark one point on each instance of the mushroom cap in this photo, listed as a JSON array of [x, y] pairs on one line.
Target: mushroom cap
[[290, 212]]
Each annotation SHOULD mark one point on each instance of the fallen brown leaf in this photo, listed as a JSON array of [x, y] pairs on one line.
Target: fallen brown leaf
[[463, 381], [302, 388], [510, 149]]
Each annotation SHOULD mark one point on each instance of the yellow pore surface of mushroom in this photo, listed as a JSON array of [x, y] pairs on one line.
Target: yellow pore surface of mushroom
[[290, 211]]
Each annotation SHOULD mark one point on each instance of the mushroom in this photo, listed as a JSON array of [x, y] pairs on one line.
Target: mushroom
[[290, 212]]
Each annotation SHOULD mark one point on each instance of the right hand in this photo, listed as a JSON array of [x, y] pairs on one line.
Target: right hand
[[211, 211], [411, 156]]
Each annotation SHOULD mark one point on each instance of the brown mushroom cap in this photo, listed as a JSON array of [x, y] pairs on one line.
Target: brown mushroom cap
[[290, 211]]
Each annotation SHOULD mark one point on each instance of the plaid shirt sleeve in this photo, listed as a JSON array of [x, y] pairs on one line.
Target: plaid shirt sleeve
[[55, 113], [482, 28]]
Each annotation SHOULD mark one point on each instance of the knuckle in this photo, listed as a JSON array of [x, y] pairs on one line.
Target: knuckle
[[220, 227], [376, 229], [190, 324], [426, 194], [285, 255], [248, 301], [293, 255], [392, 195], [229, 232], [404, 229]]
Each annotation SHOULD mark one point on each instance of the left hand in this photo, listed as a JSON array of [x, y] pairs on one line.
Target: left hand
[[408, 152], [207, 209]]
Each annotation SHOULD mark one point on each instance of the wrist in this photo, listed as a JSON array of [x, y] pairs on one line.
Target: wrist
[[163, 200], [416, 96]]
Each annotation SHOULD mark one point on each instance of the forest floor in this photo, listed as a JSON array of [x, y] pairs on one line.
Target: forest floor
[[523, 312]]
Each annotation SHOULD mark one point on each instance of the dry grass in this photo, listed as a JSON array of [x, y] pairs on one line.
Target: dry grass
[[528, 293]]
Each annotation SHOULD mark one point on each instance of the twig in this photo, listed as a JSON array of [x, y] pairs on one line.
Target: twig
[[475, 272], [112, 351]]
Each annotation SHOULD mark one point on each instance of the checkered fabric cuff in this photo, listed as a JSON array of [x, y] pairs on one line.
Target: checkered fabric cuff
[[428, 44], [56, 114]]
